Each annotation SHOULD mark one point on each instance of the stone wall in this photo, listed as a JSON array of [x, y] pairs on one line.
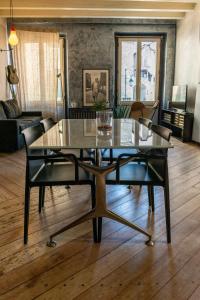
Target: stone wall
[[91, 44]]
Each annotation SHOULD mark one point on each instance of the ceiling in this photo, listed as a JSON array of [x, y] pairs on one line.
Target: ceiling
[[160, 9]]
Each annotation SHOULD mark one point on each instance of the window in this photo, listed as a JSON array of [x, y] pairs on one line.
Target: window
[[138, 69]]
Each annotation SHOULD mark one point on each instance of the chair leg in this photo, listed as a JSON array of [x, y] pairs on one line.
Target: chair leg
[[40, 198], [167, 203], [43, 196], [94, 220], [26, 213], [167, 213], [151, 197]]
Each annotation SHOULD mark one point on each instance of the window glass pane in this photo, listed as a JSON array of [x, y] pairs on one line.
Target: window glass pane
[[128, 70], [126, 132], [148, 71]]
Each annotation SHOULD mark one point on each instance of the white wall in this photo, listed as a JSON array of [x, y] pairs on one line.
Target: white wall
[[3, 59], [187, 65]]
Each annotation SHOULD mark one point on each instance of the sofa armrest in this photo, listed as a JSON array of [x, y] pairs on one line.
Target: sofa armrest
[[8, 125], [9, 135], [32, 113]]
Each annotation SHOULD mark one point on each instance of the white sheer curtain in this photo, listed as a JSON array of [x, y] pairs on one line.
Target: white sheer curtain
[[36, 60]]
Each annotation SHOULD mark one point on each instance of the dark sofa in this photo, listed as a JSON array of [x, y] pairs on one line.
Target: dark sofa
[[12, 122]]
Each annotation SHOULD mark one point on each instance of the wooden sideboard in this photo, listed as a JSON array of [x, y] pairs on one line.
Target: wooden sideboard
[[180, 122]]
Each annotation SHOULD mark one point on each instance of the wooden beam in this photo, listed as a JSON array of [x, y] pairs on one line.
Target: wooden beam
[[100, 5], [91, 14]]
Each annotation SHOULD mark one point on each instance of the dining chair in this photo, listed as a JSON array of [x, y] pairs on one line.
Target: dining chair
[[145, 122], [152, 172], [152, 111], [47, 124], [41, 172], [112, 154], [137, 110], [162, 131], [82, 154]]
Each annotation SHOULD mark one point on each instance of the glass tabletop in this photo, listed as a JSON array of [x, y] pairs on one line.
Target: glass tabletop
[[84, 133]]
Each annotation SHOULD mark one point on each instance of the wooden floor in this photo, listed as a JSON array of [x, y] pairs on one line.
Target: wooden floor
[[122, 266]]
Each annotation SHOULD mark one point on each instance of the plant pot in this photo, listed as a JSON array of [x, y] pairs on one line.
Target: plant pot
[[104, 120]]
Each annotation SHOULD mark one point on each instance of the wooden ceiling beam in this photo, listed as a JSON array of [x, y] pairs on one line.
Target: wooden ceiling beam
[[100, 5], [91, 14]]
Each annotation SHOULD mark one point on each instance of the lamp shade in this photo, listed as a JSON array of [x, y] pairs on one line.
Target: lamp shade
[[13, 39]]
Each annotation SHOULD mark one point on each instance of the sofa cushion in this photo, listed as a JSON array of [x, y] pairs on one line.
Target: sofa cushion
[[2, 112], [11, 109], [18, 110]]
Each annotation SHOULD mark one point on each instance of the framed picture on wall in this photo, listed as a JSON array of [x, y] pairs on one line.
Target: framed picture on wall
[[89, 128], [95, 86]]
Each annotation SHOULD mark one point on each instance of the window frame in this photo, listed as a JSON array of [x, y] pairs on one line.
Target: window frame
[[138, 39], [61, 70]]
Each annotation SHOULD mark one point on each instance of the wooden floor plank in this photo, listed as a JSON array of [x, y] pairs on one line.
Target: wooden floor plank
[[196, 294], [122, 267], [109, 263]]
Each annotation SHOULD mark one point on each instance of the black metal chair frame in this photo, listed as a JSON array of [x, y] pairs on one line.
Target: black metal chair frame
[[30, 182], [48, 124], [162, 180], [112, 158], [146, 122], [146, 157]]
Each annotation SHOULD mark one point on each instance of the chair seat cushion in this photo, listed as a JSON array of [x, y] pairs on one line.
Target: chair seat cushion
[[135, 174], [77, 152], [117, 152], [61, 174]]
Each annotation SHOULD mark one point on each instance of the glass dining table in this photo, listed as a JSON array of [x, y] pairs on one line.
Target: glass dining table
[[85, 134]]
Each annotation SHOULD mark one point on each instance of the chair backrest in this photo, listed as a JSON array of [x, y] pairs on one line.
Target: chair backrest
[[145, 122], [159, 164], [137, 110], [30, 135], [162, 131], [154, 109], [156, 104], [47, 124]]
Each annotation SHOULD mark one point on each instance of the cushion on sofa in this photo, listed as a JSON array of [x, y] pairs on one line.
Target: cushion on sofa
[[12, 109], [2, 112], [18, 110]]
